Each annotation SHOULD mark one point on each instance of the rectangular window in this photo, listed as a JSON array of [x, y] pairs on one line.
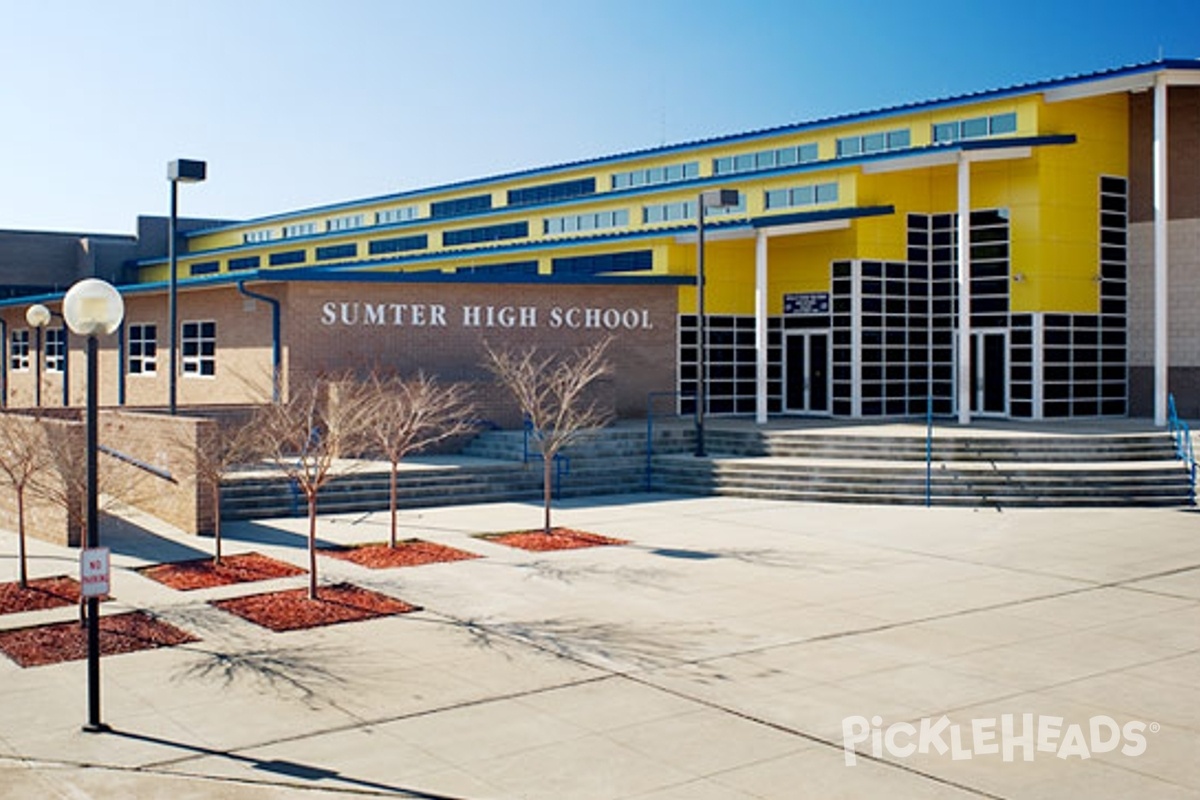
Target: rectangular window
[[254, 237], [287, 257], [56, 349], [205, 268], [398, 245], [18, 354], [246, 262], [586, 222], [551, 192], [802, 196], [198, 343], [143, 349], [873, 143], [346, 223], [1002, 123], [299, 229], [633, 261], [672, 173], [393, 215], [488, 233], [975, 128], [460, 206], [335, 251]]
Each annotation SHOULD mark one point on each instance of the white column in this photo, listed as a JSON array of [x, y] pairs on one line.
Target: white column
[[760, 328], [964, 290], [1160, 250]]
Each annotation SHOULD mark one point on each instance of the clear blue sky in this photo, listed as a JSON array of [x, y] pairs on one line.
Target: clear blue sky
[[295, 103]]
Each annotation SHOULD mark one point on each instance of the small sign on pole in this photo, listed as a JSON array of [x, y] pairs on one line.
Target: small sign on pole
[[93, 572]]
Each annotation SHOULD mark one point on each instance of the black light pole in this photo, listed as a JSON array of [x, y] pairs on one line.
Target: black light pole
[[90, 307], [94, 725], [712, 198], [179, 171], [38, 317]]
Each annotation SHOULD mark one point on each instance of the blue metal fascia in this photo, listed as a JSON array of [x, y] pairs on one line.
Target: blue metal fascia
[[824, 122], [825, 215], [324, 276]]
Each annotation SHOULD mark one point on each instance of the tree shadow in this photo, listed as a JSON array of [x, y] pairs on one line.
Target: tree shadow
[[592, 643]]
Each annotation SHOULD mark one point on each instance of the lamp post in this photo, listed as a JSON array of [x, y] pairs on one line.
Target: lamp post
[[93, 307], [179, 171], [38, 317], [712, 198]]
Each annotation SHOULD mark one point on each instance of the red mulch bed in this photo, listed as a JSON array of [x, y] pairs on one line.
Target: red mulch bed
[[408, 553], [203, 574], [557, 539], [67, 641], [292, 610], [42, 593]]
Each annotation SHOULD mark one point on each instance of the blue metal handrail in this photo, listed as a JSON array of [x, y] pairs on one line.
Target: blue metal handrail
[[650, 431], [562, 463], [1181, 435], [928, 451]]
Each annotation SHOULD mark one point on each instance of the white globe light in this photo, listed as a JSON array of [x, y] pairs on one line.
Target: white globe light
[[93, 306], [38, 316]]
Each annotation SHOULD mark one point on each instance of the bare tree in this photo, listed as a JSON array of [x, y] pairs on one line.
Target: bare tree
[[24, 455], [553, 394], [408, 415], [304, 437], [219, 446]]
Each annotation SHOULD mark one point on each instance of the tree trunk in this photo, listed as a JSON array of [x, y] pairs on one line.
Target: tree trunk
[[217, 523], [547, 489], [392, 503], [312, 545], [21, 538]]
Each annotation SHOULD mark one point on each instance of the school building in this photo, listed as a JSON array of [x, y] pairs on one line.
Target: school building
[[1030, 252]]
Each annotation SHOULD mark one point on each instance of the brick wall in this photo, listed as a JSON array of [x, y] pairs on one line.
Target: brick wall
[[46, 515], [1183, 145], [440, 338], [162, 442], [328, 328]]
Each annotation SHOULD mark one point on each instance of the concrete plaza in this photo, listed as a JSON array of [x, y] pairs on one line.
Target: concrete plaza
[[722, 654]]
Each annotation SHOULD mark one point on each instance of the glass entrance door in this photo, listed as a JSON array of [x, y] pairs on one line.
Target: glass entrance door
[[806, 373], [989, 373]]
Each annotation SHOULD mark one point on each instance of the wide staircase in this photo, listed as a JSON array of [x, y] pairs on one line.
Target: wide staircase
[[962, 468], [822, 463]]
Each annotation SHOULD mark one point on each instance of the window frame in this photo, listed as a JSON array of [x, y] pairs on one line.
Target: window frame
[[141, 363], [18, 350], [54, 361], [204, 332]]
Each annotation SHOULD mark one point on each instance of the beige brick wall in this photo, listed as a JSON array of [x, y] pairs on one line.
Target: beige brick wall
[[643, 352], [319, 339], [163, 442], [1183, 247], [46, 515]]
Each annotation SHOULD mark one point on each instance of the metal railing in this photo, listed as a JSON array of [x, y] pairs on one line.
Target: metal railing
[[650, 397], [562, 463], [1181, 435]]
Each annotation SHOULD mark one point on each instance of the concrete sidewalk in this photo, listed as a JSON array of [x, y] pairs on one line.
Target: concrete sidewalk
[[724, 653]]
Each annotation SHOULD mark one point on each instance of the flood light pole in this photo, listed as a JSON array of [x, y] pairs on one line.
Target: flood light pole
[[179, 171]]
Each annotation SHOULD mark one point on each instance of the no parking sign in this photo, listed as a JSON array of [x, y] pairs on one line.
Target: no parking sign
[[93, 572]]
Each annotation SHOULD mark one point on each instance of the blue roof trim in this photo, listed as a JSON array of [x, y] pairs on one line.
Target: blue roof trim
[[819, 216], [861, 116], [325, 276]]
